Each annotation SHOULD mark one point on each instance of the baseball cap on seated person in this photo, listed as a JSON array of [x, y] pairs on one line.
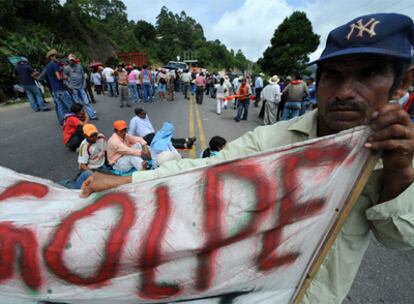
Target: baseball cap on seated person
[[120, 125], [89, 130], [383, 34]]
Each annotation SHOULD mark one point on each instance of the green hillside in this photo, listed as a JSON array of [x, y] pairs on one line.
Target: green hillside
[[98, 29]]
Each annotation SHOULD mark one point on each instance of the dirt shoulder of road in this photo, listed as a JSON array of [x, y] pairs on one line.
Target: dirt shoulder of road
[[13, 105]]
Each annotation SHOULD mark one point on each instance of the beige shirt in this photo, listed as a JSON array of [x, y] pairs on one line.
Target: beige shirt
[[123, 77], [118, 147], [392, 222]]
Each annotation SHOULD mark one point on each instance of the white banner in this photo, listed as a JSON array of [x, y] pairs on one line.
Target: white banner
[[244, 231]]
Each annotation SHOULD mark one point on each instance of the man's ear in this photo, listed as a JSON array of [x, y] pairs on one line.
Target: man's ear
[[406, 83]]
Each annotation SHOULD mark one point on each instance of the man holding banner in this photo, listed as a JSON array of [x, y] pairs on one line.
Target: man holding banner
[[366, 64]]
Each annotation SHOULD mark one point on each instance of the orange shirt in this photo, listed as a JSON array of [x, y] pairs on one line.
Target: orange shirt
[[117, 147], [69, 127]]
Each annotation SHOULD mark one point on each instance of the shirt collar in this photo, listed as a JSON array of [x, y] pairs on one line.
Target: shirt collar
[[306, 124]]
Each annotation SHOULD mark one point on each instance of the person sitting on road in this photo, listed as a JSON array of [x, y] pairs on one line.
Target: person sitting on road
[[162, 142], [72, 126], [126, 152], [91, 153], [141, 126], [215, 145]]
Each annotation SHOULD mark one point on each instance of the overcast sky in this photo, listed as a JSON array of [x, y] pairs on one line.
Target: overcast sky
[[249, 24]]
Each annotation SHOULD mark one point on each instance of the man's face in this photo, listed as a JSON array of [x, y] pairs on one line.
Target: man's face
[[121, 133], [93, 138], [350, 90], [142, 115]]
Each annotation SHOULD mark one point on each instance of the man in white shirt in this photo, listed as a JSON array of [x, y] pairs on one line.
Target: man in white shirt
[[258, 85], [140, 125], [91, 153], [109, 75], [271, 96], [186, 79]]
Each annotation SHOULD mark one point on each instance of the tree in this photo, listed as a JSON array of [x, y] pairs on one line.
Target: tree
[[291, 44], [144, 31]]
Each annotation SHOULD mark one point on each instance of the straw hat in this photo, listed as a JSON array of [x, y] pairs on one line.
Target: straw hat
[[51, 53], [274, 80]]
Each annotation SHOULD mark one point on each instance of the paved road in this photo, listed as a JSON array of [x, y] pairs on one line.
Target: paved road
[[31, 143]]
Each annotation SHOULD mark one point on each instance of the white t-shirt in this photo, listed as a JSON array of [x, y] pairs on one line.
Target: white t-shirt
[[221, 90], [96, 78], [92, 155], [271, 93], [108, 74], [140, 126], [235, 83]]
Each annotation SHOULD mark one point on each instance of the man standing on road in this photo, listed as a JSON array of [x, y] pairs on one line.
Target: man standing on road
[[186, 79], [145, 79], [360, 70], [123, 87], [77, 84], [24, 72], [108, 74], [200, 82], [295, 92], [243, 100], [55, 77], [271, 95], [258, 85], [133, 78]]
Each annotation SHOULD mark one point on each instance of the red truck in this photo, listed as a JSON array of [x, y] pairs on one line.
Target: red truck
[[131, 58]]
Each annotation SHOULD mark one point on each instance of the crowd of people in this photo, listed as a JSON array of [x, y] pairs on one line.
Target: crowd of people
[[141, 147]]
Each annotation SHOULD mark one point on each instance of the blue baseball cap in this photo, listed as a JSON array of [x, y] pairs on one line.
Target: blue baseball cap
[[382, 34]]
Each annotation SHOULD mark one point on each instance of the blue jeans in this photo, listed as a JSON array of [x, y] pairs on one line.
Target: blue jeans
[[112, 88], [82, 177], [193, 88], [292, 109], [79, 96], [35, 97], [133, 92], [305, 106], [146, 90], [63, 102], [242, 109], [139, 88]]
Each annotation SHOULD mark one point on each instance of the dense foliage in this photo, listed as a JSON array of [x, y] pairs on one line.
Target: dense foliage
[[291, 44], [98, 29]]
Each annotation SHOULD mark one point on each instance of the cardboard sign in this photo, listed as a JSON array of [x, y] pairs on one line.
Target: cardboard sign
[[243, 231]]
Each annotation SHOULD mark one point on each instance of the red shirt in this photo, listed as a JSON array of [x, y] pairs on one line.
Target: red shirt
[[69, 128]]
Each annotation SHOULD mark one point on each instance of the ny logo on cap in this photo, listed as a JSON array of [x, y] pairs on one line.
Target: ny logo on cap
[[368, 27]]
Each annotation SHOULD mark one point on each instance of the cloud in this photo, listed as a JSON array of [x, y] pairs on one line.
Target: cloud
[[249, 24], [250, 27]]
